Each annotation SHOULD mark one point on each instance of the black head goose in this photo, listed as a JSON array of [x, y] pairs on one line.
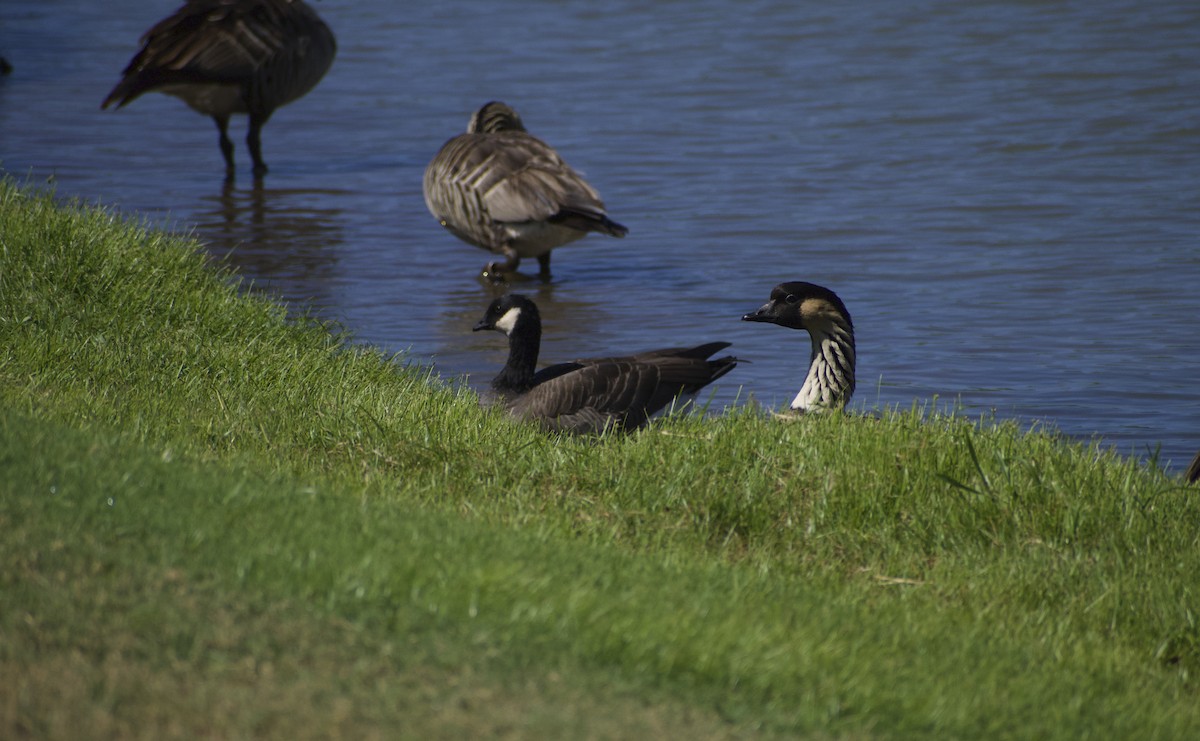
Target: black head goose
[[800, 305], [502, 189], [231, 56], [590, 396]]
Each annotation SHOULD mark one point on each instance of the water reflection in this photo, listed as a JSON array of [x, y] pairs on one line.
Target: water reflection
[[287, 239]]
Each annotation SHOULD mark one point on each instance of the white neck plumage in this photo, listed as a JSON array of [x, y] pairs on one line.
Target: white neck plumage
[[830, 380]]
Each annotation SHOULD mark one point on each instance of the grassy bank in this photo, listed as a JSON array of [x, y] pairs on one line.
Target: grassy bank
[[219, 521]]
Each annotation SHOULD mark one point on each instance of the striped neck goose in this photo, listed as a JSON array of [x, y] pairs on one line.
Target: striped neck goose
[[800, 305], [231, 56], [502, 189], [590, 396]]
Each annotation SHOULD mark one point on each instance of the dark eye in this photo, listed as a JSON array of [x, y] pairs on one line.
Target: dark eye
[[791, 298]]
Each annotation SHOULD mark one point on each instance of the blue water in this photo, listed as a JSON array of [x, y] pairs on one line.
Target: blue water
[[1006, 194]]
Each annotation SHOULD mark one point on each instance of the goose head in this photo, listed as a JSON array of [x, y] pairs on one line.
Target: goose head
[[513, 314], [819, 311], [493, 117], [518, 319], [801, 305]]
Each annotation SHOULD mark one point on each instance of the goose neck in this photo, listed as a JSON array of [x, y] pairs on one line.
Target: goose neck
[[524, 343], [830, 380]]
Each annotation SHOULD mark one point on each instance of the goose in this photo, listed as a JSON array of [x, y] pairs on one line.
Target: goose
[[800, 305], [502, 189], [591, 396], [231, 56]]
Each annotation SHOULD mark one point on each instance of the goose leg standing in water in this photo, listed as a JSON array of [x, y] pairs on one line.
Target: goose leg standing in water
[[502, 189], [591, 396], [799, 305], [223, 57]]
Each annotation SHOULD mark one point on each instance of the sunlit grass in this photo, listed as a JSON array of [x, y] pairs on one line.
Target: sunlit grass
[[212, 510]]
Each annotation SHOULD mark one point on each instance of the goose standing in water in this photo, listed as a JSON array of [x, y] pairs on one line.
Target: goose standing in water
[[590, 396], [799, 305], [502, 189], [232, 56]]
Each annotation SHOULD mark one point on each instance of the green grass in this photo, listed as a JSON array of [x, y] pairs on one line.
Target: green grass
[[221, 521]]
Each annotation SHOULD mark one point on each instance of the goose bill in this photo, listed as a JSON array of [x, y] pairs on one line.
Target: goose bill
[[762, 314]]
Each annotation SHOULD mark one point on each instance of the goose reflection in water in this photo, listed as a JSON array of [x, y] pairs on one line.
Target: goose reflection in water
[[284, 241]]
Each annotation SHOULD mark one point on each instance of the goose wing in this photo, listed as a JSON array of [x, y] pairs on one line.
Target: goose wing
[[531, 182], [614, 393], [554, 371], [620, 393]]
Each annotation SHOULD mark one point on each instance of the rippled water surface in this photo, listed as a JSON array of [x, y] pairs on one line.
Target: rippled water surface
[[1006, 194]]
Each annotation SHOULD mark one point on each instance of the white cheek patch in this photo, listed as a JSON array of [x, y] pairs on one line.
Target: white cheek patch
[[506, 323]]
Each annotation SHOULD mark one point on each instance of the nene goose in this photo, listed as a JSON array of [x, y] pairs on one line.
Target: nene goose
[[800, 305], [591, 396], [231, 56], [502, 189]]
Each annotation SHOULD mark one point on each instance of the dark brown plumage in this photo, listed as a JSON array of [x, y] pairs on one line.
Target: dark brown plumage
[[223, 57], [591, 396], [502, 189]]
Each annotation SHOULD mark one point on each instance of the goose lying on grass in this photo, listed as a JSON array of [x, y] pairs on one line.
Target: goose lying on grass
[[590, 396]]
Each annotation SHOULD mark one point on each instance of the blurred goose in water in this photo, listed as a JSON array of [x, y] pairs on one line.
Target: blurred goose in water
[[232, 56], [590, 396], [502, 189], [799, 305]]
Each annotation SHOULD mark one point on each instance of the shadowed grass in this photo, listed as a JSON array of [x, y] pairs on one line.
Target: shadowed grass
[[146, 597], [910, 576]]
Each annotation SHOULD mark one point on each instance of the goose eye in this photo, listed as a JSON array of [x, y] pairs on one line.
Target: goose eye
[[791, 298]]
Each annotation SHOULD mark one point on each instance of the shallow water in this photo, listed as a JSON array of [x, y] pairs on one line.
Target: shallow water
[[1005, 194]]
